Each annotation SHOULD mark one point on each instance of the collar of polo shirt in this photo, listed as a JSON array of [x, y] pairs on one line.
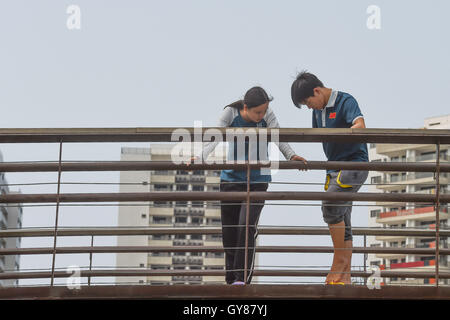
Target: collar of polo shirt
[[332, 99], [330, 104]]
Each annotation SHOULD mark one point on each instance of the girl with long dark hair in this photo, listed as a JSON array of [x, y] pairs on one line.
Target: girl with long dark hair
[[252, 111]]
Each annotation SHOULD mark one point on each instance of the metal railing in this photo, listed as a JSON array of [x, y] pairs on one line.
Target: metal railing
[[61, 136]]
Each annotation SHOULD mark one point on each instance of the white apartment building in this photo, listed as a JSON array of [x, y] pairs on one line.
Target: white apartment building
[[169, 214], [408, 215], [10, 218]]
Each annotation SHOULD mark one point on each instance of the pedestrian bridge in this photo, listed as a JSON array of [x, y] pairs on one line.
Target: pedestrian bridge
[[437, 272]]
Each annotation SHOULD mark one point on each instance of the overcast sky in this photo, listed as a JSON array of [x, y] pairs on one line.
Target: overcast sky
[[170, 63]]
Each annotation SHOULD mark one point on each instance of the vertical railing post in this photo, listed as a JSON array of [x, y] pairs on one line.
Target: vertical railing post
[[438, 152], [57, 213], [90, 260], [246, 223], [365, 259]]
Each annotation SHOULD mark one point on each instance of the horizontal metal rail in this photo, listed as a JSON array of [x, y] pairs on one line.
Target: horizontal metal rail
[[138, 231], [169, 165], [220, 291], [381, 135], [406, 136], [185, 248], [215, 196], [215, 273]]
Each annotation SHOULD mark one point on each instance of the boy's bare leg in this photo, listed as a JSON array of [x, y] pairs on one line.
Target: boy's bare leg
[[340, 258], [347, 279]]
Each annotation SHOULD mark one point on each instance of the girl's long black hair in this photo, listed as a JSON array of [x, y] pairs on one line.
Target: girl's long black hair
[[254, 97]]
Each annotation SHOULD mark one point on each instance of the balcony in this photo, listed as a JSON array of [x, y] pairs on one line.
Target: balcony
[[428, 157], [179, 260], [198, 179], [162, 178], [195, 260], [425, 213], [182, 179], [415, 264]]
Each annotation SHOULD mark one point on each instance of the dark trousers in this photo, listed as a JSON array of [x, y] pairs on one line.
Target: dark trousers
[[234, 215]]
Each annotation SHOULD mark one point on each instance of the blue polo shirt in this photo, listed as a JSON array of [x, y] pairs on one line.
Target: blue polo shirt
[[341, 111], [241, 176]]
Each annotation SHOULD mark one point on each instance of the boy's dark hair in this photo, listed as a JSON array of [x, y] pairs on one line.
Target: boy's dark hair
[[254, 97], [303, 87]]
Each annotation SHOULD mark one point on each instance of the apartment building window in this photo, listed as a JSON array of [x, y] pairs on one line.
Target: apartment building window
[[182, 187], [197, 204], [198, 188], [161, 204], [195, 268], [160, 237], [426, 258], [213, 237], [181, 204], [375, 213], [161, 187], [197, 221], [427, 156], [180, 220], [198, 172], [161, 219], [393, 244], [160, 254], [375, 180], [159, 267], [421, 175], [212, 221]]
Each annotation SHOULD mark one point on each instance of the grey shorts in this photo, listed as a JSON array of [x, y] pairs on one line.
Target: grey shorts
[[337, 211]]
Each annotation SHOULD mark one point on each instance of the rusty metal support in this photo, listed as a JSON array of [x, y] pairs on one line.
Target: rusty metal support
[[90, 259], [57, 212], [247, 217], [438, 220]]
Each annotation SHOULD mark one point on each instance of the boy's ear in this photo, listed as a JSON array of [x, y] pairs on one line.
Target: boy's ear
[[316, 91]]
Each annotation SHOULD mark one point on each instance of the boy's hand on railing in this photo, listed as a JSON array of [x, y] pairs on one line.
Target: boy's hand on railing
[[298, 158]]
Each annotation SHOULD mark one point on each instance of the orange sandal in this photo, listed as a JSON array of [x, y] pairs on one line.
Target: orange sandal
[[336, 282]]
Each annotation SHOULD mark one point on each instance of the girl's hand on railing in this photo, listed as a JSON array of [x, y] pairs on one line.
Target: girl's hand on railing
[[192, 160], [298, 158]]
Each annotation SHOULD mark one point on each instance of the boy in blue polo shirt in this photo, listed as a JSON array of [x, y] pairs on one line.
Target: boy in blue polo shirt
[[335, 109]]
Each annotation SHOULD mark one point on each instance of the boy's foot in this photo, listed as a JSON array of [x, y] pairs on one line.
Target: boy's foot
[[239, 283], [335, 282]]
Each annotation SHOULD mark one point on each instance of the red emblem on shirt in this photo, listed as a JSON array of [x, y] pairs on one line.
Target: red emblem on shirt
[[333, 115]]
